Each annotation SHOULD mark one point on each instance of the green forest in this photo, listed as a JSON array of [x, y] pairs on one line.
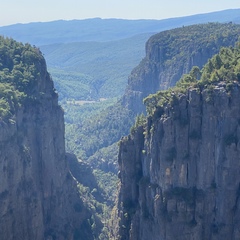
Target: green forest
[[19, 71], [94, 70]]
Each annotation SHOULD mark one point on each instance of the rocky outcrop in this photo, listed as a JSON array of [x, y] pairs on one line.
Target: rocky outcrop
[[180, 175], [39, 198], [172, 53]]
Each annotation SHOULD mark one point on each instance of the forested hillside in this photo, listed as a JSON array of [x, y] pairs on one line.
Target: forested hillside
[[94, 70], [19, 71], [170, 54]]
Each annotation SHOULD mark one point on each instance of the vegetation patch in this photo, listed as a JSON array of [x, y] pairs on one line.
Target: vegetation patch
[[20, 68], [140, 121]]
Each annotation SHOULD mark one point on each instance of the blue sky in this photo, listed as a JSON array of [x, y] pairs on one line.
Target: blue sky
[[15, 11]]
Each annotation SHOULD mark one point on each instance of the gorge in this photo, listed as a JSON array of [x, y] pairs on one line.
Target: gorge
[[39, 197], [176, 167]]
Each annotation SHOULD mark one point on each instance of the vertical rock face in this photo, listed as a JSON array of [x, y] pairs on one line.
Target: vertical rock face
[[180, 173], [38, 195], [172, 53], [184, 181]]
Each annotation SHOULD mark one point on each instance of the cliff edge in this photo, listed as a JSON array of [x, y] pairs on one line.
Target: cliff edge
[[39, 198], [179, 168], [172, 53]]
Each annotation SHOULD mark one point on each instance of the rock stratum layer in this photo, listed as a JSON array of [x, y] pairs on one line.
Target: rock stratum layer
[[39, 198], [180, 171]]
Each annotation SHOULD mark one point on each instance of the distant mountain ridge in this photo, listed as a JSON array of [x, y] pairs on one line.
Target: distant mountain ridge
[[97, 29], [74, 48]]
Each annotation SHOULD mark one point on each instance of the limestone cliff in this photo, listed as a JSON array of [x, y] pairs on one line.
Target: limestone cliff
[[180, 171], [172, 53], [39, 198]]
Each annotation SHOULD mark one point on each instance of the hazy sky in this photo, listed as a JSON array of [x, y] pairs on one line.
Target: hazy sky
[[22, 11]]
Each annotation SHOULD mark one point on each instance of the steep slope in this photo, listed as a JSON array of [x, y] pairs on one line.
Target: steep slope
[[170, 54], [39, 198], [179, 169]]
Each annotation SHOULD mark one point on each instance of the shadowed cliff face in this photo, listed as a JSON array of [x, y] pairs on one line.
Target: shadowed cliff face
[[39, 198], [172, 53], [180, 176]]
